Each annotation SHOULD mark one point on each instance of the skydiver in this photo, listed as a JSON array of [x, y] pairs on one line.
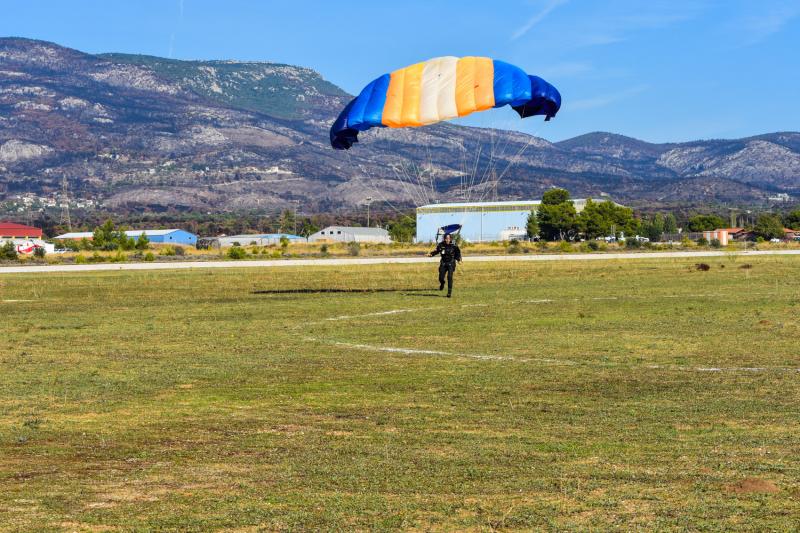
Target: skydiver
[[450, 253]]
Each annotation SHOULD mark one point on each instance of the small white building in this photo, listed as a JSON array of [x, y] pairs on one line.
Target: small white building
[[350, 234]]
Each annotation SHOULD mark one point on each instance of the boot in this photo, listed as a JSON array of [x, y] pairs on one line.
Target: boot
[[441, 286]]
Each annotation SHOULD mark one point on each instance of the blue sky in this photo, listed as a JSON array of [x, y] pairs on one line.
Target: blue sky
[[657, 70]]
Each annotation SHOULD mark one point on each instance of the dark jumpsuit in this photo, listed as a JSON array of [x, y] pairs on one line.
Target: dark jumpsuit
[[450, 254]]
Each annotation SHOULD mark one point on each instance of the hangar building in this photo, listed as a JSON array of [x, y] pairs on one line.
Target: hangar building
[[481, 221], [156, 236]]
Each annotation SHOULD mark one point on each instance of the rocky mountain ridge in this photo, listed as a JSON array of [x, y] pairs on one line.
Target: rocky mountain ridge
[[139, 133]]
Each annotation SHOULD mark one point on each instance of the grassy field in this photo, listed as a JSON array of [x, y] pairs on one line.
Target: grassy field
[[625, 395]]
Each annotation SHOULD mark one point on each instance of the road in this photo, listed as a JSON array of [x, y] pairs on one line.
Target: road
[[44, 269]]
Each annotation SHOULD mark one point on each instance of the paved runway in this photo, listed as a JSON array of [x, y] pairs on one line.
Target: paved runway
[[174, 265]]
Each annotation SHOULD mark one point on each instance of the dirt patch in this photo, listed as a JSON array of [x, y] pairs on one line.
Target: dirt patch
[[752, 485], [746, 266], [703, 267]]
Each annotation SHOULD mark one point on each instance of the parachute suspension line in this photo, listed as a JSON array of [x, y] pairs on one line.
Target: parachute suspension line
[[512, 161], [474, 171], [409, 187], [378, 192]]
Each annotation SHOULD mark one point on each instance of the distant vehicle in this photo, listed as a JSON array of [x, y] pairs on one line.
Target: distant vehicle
[[641, 239], [774, 240]]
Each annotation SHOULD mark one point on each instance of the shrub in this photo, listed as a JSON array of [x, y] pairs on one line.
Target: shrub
[[353, 248], [593, 245], [513, 247], [167, 250], [237, 252], [118, 257], [633, 244], [324, 249], [39, 252], [702, 241], [149, 257], [8, 251], [97, 258], [715, 243], [565, 246], [80, 259], [284, 241], [179, 250]]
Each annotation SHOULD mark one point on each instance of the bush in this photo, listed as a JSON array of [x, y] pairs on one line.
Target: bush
[[39, 252], [97, 258], [565, 246], [118, 257], [633, 244], [237, 252], [324, 249], [513, 247], [353, 248], [149, 257], [8, 251], [167, 250], [593, 245], [715, 243], [179, 250], [80, 259], [284, 241]]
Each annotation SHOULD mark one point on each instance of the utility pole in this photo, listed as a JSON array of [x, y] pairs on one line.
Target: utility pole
[[369, 201], [65, 218]]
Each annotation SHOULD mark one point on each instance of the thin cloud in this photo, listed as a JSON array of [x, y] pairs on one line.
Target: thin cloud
[[768, 22], [605, 100], [565, 70], [537, 18]]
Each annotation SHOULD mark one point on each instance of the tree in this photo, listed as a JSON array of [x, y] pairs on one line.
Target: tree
[[143, 243], [605, 218], [706, 223], [792, 220], [555, 197], [768, 227], [557, 221], [403, 229], [670, 224], [654, 228], [532, 226], [8, 251], [308, 227], [288, 222]]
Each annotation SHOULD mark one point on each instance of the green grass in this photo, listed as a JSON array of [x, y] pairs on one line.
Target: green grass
[[568, 395]]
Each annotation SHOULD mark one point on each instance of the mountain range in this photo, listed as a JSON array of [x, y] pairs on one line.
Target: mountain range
[[142, 133]]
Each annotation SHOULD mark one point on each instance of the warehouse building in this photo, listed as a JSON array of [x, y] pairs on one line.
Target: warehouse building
[[156, 236], [481, 221], [256, 239], [350, 234], [10, 230]]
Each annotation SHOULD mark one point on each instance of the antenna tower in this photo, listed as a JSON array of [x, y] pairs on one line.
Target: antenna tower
[[65, 218]]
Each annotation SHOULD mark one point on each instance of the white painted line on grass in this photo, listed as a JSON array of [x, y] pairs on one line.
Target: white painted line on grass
[[365, 315]]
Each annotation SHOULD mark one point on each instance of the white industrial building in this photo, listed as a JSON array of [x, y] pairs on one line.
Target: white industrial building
[[350, 234], [481, 221]]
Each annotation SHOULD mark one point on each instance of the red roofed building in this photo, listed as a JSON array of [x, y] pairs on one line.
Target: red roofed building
[[10, 230]]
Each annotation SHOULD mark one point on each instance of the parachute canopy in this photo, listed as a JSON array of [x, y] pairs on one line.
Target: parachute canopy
[[451, 229], [441, 89]]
